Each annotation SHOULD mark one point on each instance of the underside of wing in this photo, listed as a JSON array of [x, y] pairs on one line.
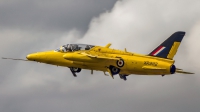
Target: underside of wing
[[100, 57]]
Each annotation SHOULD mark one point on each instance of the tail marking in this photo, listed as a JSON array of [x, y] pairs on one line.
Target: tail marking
[[158, 51]]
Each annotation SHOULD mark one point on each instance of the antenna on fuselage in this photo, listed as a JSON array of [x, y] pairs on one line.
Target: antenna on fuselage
[[125, 50], [108, 45]]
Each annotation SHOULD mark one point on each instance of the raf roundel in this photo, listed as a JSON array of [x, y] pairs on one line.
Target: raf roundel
[[120, 63]]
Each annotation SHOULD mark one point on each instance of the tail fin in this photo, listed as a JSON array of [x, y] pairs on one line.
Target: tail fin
[[169, 47]]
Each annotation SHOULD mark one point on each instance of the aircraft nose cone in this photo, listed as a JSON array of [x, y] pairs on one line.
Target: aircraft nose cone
[[31, 57]]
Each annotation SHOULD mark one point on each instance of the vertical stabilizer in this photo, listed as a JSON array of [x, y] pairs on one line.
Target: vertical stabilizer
[[169, 47]]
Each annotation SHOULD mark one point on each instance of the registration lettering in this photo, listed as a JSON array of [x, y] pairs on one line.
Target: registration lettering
[[150, 63]]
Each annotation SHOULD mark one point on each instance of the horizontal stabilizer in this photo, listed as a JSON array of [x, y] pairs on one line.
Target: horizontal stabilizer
[[183, 72], [178, 69]]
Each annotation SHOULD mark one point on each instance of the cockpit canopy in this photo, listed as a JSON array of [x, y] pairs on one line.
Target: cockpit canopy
[[74, 47]]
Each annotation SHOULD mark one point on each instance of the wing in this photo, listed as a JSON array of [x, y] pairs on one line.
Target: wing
[[100, 57]]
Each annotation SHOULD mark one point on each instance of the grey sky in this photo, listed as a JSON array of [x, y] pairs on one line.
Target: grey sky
[[54, 15], [138, 25]]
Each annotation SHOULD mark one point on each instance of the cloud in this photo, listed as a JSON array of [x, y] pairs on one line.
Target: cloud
[[138, 22], [192, 43]]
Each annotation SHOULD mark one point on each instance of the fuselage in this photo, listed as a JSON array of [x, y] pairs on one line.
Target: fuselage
[[133, 63]]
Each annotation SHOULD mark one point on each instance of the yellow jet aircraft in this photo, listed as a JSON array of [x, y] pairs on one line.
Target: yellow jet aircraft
[[81, 56]]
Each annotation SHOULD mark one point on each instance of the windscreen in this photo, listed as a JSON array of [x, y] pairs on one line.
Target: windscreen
[[74, 47]]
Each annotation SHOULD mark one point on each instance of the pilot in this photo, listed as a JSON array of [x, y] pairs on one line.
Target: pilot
[[74, 47], [63, 49], [68, 48], [87, 47]]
